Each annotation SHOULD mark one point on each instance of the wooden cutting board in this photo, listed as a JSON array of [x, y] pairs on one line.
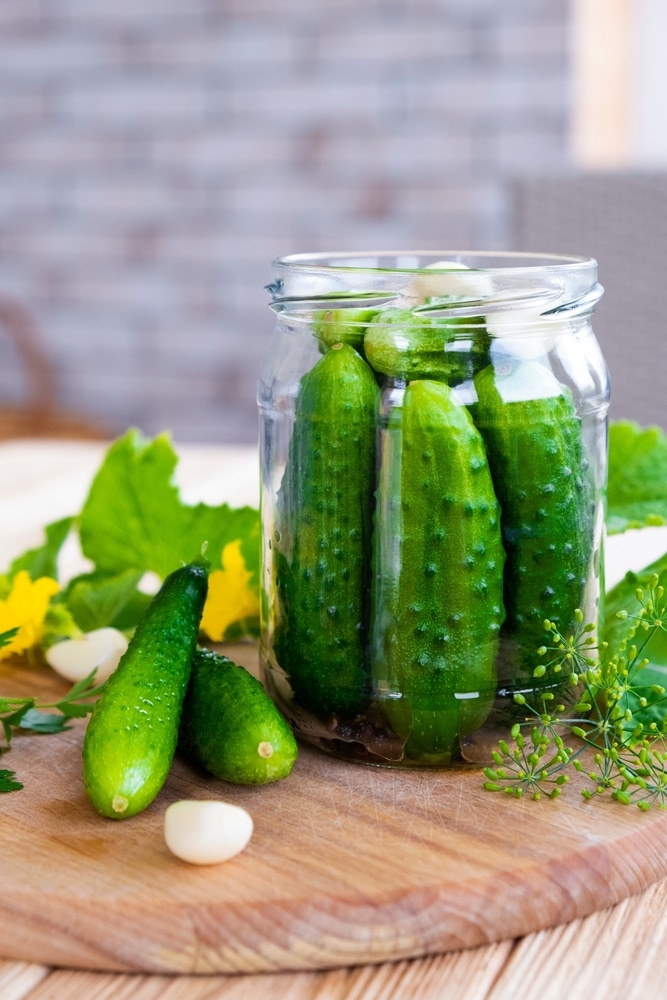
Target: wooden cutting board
[[348, 864]]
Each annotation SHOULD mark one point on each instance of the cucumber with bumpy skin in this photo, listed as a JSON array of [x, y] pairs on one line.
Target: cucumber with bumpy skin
[[342, 326], [231, 727], [323, 535], [133, 729], [437, 600], [405, 345], [534, 443]]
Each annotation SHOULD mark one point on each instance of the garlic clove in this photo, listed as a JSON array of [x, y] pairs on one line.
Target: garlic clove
[[75, 658], [525, 333], [453, 281], [205, 832]]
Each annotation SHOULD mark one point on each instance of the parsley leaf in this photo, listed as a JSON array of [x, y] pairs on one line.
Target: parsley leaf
[[25, 713], [8, 782], [41, 722], [6, 637], [12, 711]]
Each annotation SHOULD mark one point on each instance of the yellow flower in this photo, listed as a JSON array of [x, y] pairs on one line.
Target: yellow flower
[[230, 599], [24, 608]]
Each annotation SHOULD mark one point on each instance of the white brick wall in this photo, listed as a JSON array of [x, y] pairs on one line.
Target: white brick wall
[[155, 155]]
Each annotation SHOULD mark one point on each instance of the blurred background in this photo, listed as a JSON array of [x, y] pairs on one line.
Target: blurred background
[[155, 155]]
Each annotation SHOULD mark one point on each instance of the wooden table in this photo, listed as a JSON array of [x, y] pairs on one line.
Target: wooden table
[[619, 952]]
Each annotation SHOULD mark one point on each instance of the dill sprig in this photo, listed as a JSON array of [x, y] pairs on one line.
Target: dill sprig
[[615, 718]]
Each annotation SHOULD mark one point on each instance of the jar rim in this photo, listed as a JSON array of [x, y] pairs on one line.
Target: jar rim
[[463, 283], [350, 260]]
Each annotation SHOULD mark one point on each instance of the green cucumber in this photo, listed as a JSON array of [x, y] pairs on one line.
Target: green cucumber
[[342, 326], [133, 729], [438, 581], [324, 523], [534, 443], [406, 345], [230, 726]]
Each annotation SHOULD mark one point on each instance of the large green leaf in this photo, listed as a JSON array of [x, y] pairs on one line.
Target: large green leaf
[[43, 560], [621, 632], [133, 517], [98, 601], [637, 490]]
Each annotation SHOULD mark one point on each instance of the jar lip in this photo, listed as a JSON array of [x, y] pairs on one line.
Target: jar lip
[[461, 283], [514, 262]]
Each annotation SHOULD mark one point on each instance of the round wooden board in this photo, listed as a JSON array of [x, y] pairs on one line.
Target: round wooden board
[[348, 864]]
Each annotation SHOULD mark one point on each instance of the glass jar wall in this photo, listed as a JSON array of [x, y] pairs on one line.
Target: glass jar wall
[[433, 461]]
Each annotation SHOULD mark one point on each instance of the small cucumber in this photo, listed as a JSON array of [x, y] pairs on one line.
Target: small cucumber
[[342, 326], [534, 443], [231, 727], [437, 599], [131, 737], [322, 541], [405, 345]]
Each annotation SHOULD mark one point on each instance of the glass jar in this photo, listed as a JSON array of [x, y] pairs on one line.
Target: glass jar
[[433, 463]]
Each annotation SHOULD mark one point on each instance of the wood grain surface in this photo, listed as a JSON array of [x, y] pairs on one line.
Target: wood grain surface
[[348, 864], [425, 835]]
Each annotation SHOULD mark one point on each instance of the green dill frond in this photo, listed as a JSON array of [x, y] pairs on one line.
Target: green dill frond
[[617, 720]]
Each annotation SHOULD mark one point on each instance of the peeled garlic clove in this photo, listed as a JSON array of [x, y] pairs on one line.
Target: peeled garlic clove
[[525, 333], [206, 832], [100, 649], [453, 281]]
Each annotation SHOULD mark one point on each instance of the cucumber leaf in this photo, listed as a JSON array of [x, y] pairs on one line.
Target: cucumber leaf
[[134, 521], [133, 517], [58, 623], [43, 560], [621, 632], [97, 600], [637, 489]]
